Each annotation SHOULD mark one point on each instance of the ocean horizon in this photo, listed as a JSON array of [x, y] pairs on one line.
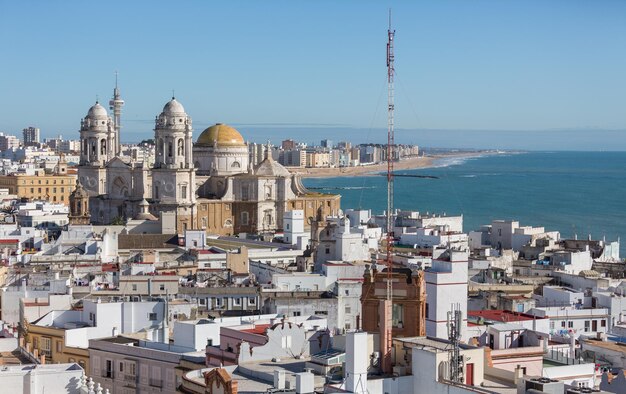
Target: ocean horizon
[[576, 193]]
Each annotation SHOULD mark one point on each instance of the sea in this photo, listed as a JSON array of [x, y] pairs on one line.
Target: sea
[[576, 193]]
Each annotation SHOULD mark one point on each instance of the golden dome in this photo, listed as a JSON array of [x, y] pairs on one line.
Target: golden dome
[[220, 135]]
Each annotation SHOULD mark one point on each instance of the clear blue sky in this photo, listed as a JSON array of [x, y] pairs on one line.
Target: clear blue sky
[[302, 66]]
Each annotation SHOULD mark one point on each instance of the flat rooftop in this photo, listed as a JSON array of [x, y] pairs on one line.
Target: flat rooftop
[[431, 343], [502, 316]]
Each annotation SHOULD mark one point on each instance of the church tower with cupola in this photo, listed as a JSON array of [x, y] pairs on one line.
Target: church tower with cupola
[[173, 173], [79, 206], [97, 147]]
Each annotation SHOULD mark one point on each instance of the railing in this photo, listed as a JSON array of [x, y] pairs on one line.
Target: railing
[[156, 382], [561, 357], [130, 378]]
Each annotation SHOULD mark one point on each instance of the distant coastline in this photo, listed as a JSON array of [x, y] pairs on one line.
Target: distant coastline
[[412, 163]]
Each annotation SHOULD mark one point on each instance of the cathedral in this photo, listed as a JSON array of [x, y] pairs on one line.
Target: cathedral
[[210, 184]]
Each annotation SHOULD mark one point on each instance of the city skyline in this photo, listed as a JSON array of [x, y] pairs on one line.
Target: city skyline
[[485, 72]]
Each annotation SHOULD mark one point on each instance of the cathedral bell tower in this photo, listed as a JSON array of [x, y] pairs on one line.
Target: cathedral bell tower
[[173, 174], [79, 206], [97, 147]]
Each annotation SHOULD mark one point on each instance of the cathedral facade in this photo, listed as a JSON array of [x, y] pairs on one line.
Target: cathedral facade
[[210, 184]]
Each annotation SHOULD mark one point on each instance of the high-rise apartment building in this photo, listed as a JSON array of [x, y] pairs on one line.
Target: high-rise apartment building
[[8, 142], [31, 136]]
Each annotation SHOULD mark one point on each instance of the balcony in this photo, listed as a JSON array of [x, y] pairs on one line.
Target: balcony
[[130, 379], [107, 373]]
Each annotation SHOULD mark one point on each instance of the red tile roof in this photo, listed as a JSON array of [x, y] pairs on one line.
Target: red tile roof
[[258, 329]]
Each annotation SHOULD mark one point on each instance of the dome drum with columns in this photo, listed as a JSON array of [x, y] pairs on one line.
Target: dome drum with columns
[[206, 185]]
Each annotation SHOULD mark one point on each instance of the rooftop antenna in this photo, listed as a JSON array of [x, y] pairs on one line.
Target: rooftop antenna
[[390, 154], [387, 343], [115, 105], [455, 359]]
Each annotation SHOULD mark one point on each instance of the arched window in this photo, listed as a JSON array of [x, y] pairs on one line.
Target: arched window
[[103, 147], [235, 164], [160, 146], [181, 150], [170, 150]]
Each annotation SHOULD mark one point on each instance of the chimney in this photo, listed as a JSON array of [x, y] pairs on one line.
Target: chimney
[[357, 361], [305, 383], [279, 379]]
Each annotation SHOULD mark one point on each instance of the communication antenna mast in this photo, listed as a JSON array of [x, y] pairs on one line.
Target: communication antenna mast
[[390, 154], [455, 360], [115, 105]]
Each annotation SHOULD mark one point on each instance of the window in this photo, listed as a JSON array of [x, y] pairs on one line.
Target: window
[[324, 313], [152, 316], [552, 325], [202, 301], [134, 287], [162, 287], [183, 191], [296, 313], [602, 323], [348, 310], [397, 315], [108, 371], [327, 250], [251, 301], [563, 324], [59, 346], [130, 369], [82, 364], [46, 346], [237, 301], [570, 324], [244, 218], [587, 325], [121, 366], [347, 292]]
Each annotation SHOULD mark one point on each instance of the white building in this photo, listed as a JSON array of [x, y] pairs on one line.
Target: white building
[[446, 288], [50, 378], [294, 229], [427, 237], [340, 242], [121, 363], [103, 319]]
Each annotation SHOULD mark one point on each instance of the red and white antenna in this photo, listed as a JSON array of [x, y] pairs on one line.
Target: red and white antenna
[[390, 154]]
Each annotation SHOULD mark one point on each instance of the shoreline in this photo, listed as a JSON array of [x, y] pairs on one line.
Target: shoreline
[[411, 163]]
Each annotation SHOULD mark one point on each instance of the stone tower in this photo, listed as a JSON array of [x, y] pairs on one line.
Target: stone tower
[[173, 174], [79, 206], [97, 147]]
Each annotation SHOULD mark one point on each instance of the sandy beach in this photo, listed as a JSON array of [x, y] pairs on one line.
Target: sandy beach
[[405, 164]]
